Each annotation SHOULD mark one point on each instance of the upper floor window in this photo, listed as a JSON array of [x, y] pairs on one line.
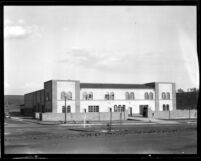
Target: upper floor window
[[84, 95], [151, 96], [107, 96], [132, 96], [90, 96], [163, 96], [146, 96], [111, 95], [47, 96], [127, 95], [168, 95], [69, 95]]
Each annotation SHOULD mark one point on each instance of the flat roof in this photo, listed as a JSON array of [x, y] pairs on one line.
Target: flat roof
[[117, 86]]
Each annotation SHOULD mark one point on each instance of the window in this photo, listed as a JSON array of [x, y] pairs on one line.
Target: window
[[69, 95], [119, 108], [111, 95], [151, 96], [84, 95], [132, 97], [68, 109], [90, 96], [93, 108], [63, 109], [97, 109], [115, 108], [146, 96], [163, 96], [107, 96], [63, 94], [89, 108], [127, 95], [167, 107], [47, 97], [164, 108], [123, 108], [168, 95]]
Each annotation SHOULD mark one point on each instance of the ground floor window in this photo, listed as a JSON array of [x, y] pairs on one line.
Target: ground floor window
[[166, 107], [93, 108], [119, 108], [64, 109]]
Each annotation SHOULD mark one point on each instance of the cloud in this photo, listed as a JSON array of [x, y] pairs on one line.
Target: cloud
[[85, 58], [19, 29]]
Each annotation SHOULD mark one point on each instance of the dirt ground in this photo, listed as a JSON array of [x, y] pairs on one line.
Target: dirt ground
[[31, 138]]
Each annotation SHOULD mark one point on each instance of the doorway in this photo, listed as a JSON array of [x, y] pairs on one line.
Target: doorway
[[144, 110], [130, 111]]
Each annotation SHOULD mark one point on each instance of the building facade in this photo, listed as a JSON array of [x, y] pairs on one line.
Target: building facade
[[136, 99]]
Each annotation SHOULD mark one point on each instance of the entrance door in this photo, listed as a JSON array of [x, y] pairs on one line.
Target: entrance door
[[130, 111], [144, 110]]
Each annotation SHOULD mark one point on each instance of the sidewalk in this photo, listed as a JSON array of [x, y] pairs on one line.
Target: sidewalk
[[132, 121], [32, 120], [154, 120]]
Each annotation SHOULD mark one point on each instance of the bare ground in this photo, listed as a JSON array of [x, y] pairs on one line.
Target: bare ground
[[30, 138]]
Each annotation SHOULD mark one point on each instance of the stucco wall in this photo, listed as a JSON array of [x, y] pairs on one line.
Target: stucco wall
[[105, 105], [95, 116], [165, 87], [66, 86], [176, 114], [119, 94], [119, 99]]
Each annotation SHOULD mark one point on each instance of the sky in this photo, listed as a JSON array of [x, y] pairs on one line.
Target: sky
[[99, 44]]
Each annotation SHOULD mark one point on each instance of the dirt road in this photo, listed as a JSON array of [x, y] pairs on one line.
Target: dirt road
[[25, 137]]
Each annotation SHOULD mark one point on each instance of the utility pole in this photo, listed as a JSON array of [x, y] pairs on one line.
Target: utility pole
[[84, 117], [110, 118], [65, 111], [189, 112]]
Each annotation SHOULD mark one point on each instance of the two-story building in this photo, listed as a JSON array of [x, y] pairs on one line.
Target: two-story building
[[77, 97]]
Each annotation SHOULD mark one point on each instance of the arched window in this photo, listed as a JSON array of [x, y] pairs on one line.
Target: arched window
[[163, 107], [163, 96], [119, 108], [90, 96], [146, 96], [63, 94], [115, 108], [132, 96], [107, 96], [123, 108], [69, 95], [111, 95], [151, 96], [167, 107], [127, 95], [68, 109], [84, 95], [168, 95]]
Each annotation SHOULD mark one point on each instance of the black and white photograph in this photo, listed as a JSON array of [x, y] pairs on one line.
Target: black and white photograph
[[100, 79]]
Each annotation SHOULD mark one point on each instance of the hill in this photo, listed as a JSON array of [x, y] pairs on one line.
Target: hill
[[13, 102]]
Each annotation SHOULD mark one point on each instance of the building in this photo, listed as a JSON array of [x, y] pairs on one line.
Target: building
[[136, 99]]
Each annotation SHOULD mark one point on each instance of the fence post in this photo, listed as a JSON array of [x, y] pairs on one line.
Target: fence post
[[189, 113]]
